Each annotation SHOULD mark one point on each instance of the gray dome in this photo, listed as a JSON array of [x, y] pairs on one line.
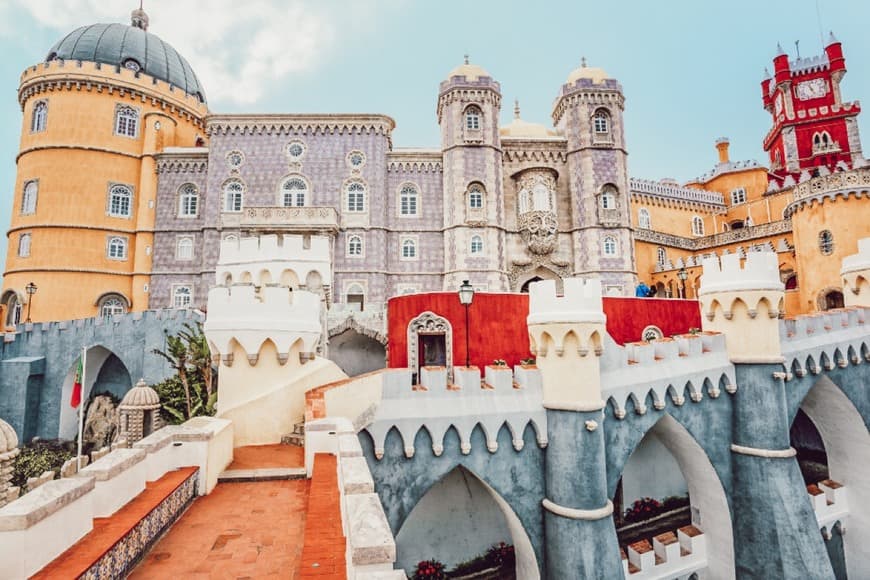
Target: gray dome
[[131, 47], [140, 397]]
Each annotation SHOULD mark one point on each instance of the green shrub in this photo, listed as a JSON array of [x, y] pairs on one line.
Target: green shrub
[[39, 457]]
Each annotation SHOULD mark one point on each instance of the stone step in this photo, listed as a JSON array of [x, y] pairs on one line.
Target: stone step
[[299, 428], [261, 474], [293, 439]]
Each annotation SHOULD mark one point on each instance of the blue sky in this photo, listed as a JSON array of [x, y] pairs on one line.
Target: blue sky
[[690, 70]]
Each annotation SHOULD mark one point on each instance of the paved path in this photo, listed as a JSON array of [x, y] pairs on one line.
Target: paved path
[[259, 456]]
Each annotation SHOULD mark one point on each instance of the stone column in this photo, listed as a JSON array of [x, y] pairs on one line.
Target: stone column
[[566, 334]]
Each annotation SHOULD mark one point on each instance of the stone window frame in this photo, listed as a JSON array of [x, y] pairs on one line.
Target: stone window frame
[[183, 205], [697, 226], [429, 322], [225, 193], [28, 202], [113, 300], [612, 243], [409, 242], [175, 292], [130, 116], [826, 242], [473, 189], [607, 199], [601, 124], [117, 241], [362, 247], [178, 242], [346, 195], [39, 116], [400, 199], [644, 219], [291, 145], [481, 250], [349, 284], [111, 192], [25, 244], [472, 117], [661, 256], [282, 184]]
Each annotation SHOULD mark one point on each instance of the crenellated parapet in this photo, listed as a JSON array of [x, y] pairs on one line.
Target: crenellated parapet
[[856, 276], [816, 343], [291, 260], [566, 333], [438, 408], [745, 303]]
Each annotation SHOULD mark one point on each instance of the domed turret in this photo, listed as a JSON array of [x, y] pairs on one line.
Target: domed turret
[[594, 74], [140, 414], [471, 72], [519, 129], [140, 397]]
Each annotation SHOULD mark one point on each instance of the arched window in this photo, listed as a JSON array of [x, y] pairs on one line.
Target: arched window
[[24, 245], [188, 200], [39, 117], [111, 305], [473, 118], [610, 246], [661, 256], [476, 245], [13, 309], [541, 199], [233, 192], [117, 248], [184, 249], [28, 197], [697, 226], [408, 200], [182, 296], [601, 122], [791, 283], [355, 193], [643, 219], [120, 201], [826, 242], [294, 192], [607, 199], [354, 246], [355, 296], [475, 197], [409, 249], [126, 121]]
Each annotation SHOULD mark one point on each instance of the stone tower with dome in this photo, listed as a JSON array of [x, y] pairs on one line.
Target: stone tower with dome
[[106, 100]]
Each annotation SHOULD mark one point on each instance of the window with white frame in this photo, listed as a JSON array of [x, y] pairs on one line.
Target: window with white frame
[[408, 198], [607, 199], [661, 256], [39, 117], [601, 122], [610, 246], [188, 201], [120, 201], [182, 296], [111, 305], [409, 249], [473, 118], [117, 248], [355, 195], [294, 192], [24, 245], [643, 219], [697, 226], [476, 245], [184, 249], [354, 246], [28, 197], [738, 196], [233, 193], [475, 197], [126, 121]]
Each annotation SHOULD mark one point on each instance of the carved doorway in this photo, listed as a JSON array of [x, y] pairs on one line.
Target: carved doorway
[[435, 333]]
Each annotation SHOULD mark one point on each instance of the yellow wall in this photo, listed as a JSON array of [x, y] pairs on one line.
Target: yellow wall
[[74, 160]]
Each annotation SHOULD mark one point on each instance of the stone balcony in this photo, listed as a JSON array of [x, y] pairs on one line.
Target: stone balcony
[[819, 186], [321, 220]]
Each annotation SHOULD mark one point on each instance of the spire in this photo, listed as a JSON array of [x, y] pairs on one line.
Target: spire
[[779, 50], [766, 73], [831, 38], [138, 18], [466, 58], [583, 62], [516, 108]]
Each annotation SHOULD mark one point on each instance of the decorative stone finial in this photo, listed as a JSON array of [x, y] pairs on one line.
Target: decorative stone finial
[[779, 50], [766, 73], [516, 108], [831, 38], [138, 18], [466, 58], [583, 62]]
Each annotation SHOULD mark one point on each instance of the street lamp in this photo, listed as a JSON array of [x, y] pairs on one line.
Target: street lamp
[[466, 295], [31, 290], [683, 275]]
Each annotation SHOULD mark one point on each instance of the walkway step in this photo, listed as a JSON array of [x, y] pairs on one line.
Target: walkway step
[[296, 439], [261, 474]]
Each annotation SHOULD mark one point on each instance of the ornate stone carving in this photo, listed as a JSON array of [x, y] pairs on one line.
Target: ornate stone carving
[[538, 229], [429, 323]]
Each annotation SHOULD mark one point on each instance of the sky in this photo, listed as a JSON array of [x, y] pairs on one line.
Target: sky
[[690, 69]]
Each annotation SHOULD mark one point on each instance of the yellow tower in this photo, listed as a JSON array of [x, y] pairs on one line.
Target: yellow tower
[[107, 99]]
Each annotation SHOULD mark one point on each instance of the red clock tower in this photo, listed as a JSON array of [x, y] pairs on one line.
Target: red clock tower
[[814, 132]]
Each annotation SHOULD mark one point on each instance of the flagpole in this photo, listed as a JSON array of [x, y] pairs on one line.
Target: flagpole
[[81, 410]]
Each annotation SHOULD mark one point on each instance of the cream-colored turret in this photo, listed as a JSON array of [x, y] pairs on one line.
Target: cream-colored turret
[[566, 334], [856, 276], [744, 303]]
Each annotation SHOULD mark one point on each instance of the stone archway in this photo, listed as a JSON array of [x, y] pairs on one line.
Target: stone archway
[[830, 298], [429, 323]]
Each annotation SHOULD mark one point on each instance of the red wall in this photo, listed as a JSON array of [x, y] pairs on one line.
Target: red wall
[[498, 323]]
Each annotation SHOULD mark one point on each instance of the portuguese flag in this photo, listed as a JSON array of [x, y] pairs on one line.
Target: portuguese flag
[[76, 398]]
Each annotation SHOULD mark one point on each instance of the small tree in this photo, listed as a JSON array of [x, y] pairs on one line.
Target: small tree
[[190, 392]]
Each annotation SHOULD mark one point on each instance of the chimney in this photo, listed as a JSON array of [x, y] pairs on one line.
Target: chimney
[[722, 147]]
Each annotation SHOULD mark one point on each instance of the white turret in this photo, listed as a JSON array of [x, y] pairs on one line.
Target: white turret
[[856, 276]]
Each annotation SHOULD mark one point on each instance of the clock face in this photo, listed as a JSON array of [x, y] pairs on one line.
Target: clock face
[[812, 89]]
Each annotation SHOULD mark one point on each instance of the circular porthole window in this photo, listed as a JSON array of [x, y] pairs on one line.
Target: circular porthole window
[[651, 332], [235, 159], [132, 64], [295, 150], [356, 159]]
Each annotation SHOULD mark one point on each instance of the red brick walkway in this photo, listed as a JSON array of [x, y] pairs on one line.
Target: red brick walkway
[[240, 530], [258, 456], [323, 555]]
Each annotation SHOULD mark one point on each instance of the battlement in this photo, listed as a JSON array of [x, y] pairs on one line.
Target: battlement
[[580, 302], [290, 260], [760, 271], [669, 555], [859, 261]]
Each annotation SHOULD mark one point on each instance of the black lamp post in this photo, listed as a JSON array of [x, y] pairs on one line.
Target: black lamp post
[[31, 290], [466, 295], [683, 275]]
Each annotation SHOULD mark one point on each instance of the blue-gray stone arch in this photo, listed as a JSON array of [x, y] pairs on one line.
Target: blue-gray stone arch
[[516, 477]]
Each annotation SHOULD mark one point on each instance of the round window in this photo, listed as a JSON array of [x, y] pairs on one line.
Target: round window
[[295, 150]]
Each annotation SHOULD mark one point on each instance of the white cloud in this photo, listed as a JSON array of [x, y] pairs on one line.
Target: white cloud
[[238, 48]]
